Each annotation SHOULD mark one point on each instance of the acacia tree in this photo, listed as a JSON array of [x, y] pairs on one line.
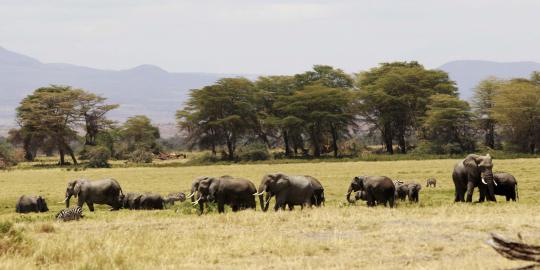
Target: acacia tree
[[50, 116], [51, 111], [223, 113], [139, 133], [447, 125], [482, 103], [269, 90], [517, 109], [321, 110], [393, 98], [92, 109]]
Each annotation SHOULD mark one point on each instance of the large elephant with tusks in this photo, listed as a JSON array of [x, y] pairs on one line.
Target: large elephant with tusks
[[106, 191], [226, 190], [289, 190], [474, 171]]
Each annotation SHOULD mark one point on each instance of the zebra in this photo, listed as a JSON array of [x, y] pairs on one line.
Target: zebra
[[70, 214]]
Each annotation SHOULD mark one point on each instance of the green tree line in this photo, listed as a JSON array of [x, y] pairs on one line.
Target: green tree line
[[324, 111], [402, 104]]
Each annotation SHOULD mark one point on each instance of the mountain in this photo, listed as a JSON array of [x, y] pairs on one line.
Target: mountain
[[145, 89], [468, 73]]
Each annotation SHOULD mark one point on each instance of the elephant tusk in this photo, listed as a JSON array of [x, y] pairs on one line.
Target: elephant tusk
[[196, 202], [484, 181], [190, 195], [63, 200], [495, 182], [258, 193]]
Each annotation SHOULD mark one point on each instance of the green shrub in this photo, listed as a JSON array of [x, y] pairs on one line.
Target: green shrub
[[208, 158], [7, 156], [253, 152], [98, 157], [141, 156]]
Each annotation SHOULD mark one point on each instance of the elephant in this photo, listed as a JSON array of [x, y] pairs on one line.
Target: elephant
[[132, 201], [378, 190], [402, 190], [195, 187], [414, 192], [28, 203], [289, 190], [175, 197], [474, 171], [360, 195], [318, 193], [106, 191], [226, 190], [431, 182], [506, 185], [151, 201]]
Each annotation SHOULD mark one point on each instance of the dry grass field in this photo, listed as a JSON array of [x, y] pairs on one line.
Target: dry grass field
[[434, 234]]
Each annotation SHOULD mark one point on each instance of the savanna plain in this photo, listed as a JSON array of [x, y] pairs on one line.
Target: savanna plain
[[433, 234]]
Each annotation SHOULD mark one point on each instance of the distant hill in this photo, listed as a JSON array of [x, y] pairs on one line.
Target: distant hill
[[468, 73], [145, 89], [152, 91]]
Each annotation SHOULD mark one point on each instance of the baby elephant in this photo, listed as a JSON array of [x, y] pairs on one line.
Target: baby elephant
[[431, 182], [414, 191], [506, 185], [410, 190], [27, 204], [151, 201], [131, 201], [175, 197]]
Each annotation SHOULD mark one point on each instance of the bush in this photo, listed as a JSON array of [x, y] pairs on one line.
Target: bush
[[98, 157], [253, 152], [141, 156], [208, 158], [427, 147], [7, 156]]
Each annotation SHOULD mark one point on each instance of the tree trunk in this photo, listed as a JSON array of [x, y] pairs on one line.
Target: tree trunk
[[315, 142], [28, 155], [230, 149], [61, 152], [286, 143], [490, 136], [402, 143], [334, 140], [388, 137], [70, 151]]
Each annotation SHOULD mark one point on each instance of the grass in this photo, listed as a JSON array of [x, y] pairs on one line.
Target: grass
[[434, 234]]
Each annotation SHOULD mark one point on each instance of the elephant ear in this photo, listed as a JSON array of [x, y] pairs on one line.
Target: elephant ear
[[214, 184], [77, 188], [471, 161], [281, 180]]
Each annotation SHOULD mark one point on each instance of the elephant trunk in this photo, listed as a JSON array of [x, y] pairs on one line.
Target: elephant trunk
[[349, 195], [68, 197], [487, 177]]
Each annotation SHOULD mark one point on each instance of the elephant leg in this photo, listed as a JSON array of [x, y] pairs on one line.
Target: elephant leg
[[235, 208], [90, 206], [221, 207], [291, 207], [201, 207], [470, 189], [80, 202]]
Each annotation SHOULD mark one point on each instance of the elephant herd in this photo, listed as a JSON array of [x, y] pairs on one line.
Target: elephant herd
[[474, 171], [289, 191]]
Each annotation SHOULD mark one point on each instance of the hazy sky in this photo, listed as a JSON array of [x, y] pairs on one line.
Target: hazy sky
[[269, 37]]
